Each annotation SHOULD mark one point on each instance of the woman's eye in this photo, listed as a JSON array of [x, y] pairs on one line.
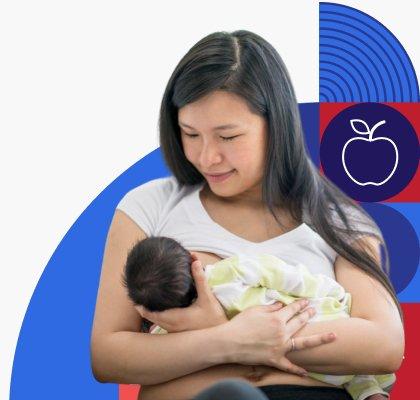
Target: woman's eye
[[191, 135], [224, 138], [228, 138]]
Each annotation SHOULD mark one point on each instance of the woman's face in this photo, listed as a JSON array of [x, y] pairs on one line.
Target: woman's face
[[221, 135]]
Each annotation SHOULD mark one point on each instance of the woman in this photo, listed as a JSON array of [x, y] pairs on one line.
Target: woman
[[230, 133]]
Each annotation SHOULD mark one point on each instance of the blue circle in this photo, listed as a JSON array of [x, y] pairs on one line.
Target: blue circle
[[401, 240]]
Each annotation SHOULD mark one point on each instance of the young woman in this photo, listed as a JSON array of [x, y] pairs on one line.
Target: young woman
[[242, 181]]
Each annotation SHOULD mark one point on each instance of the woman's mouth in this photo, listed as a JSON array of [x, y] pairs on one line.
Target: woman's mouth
[[219, 177]]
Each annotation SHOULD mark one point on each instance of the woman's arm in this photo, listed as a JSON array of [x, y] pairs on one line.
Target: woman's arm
[[119, 353], [371, 341]]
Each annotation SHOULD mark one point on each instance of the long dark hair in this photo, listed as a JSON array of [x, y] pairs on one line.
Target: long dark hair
[[245, 64]]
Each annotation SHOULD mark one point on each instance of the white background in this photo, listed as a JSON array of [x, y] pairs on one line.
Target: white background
[[80, 88]]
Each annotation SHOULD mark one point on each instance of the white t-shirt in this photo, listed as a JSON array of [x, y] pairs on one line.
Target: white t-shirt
[[162, 207]]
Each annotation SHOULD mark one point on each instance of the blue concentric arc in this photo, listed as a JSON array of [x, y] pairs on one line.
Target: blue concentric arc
[[360, 60]]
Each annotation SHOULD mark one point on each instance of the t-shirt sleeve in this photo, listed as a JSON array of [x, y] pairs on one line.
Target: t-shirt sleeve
[[144, 203]]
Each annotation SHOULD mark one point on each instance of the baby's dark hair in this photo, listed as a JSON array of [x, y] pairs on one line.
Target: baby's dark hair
[[157, 274]]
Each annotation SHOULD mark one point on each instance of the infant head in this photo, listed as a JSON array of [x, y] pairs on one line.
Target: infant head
[[158, 274]]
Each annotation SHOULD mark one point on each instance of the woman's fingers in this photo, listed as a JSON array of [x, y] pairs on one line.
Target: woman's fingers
[[194, 256], [307, 342], [287, 366], [273, 307], [293, 308], [298, 321], [199, 276]]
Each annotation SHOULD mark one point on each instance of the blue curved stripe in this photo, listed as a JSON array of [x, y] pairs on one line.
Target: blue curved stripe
[[393, 42], [371, 85], [355, 87], [374, 58], [322, 89], [344, 26], [374, 46], [341, 97], [381, 41], [328, 72], [373, 68], [357, 76]]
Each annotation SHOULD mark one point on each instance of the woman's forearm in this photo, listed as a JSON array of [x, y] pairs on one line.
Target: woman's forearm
[[130, 357], [361, 347]]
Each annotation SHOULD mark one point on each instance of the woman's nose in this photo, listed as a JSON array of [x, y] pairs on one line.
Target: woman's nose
[[210, 154]]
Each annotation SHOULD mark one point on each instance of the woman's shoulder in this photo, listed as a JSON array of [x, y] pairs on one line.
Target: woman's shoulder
[[144, 203], [155, 188]]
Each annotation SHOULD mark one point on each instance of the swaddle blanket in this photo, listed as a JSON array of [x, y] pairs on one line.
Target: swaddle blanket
[[242, 281]]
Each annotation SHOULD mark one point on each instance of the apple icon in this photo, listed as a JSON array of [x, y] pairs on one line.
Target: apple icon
[[363, 165], [371, 146]]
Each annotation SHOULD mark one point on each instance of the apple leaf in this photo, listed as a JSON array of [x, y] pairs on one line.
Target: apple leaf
[[362, 124]]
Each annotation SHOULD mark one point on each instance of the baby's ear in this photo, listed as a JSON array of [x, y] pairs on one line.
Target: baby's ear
[[194, 256]]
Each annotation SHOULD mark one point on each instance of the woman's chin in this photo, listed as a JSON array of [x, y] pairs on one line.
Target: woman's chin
[[222, 190]]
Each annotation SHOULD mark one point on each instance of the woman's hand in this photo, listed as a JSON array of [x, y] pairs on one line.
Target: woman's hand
[[264, 335], [205, 312]]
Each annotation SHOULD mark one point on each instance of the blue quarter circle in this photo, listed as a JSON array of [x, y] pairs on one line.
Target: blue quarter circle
[[359, 39], [52, 358]]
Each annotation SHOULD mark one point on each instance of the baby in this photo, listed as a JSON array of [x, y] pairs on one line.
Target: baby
[[158, 276]]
